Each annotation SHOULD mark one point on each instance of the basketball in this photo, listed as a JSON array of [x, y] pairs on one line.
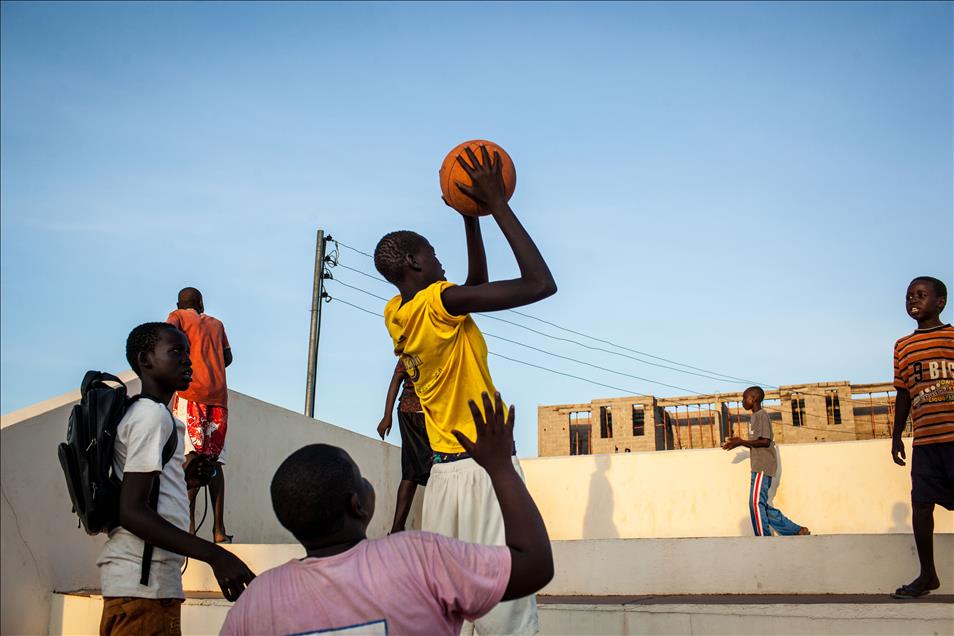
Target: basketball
[[452, 173]]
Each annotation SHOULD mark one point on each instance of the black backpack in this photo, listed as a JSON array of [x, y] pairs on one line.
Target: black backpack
[[87, 456]]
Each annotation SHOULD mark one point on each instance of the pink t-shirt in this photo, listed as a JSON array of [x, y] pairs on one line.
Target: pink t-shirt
[[407, 583]]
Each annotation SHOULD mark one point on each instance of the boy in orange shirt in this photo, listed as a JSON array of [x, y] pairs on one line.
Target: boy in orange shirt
[[924, 379], [446, 357], [204, 405]]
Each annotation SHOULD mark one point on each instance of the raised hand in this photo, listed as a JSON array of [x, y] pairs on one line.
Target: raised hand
[[487, 185], [494, 445]]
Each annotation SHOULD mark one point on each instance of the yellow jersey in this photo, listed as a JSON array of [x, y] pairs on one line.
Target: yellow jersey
[[446, 358]]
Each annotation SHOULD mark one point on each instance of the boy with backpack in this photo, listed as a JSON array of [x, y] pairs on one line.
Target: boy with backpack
[[142, 586], [405, 583]]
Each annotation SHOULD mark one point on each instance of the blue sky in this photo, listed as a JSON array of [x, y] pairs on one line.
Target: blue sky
[[740, 187]]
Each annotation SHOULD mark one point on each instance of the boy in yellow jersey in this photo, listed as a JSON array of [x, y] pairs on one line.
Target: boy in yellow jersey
[[446, 357]]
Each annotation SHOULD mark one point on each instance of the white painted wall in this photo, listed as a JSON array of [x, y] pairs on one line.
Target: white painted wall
[[836, 564], [833, 564], [79, 615], [833, 488], [43, 549]]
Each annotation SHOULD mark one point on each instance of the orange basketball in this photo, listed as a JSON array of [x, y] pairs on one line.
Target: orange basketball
[[452, 173]]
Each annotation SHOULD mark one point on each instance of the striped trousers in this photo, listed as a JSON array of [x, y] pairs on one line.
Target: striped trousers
[[765, 518]]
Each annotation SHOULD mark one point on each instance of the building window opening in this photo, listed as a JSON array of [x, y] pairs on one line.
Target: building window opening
[[798, 410], [833, 408], [639, 421], [580, 433], [606, 422]]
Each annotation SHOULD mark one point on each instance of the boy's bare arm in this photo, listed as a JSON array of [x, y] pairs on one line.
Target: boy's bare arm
[[137, 517], [535, 282], [386, 422], [735, 442], [476, 255], [902, 408], [531, 558]]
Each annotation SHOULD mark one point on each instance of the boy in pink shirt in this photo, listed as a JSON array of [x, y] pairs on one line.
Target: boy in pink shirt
[[406, 583]]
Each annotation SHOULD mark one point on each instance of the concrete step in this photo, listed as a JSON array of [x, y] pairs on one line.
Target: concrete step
[[818, 564], [203, 613]]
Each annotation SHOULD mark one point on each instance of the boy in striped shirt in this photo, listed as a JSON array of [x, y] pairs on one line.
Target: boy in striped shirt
[[924, 379]]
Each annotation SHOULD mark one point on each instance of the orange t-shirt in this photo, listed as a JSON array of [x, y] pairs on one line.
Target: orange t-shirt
[[924, 366], [207, 342]]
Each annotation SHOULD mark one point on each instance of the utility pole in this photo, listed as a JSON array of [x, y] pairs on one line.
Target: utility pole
[[317, 298]]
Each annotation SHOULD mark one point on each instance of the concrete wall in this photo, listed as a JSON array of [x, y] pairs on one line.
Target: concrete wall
[[839, 564], [833, 488], [834, 564], [846, 487], [79, 615], [44, 550]]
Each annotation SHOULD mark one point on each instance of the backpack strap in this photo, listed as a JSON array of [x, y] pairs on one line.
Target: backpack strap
[[168, 450], [93, 377]]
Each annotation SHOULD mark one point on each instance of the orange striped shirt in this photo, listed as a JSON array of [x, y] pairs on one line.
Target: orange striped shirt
[[924, 366]]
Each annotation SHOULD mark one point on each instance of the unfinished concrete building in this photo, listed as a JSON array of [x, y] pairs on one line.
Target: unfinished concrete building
[[819, 412]]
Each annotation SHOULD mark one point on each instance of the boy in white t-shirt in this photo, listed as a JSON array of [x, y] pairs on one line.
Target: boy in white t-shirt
[[159, 354], [405, 583]]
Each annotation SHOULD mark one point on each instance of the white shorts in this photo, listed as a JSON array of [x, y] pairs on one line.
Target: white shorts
[[181, 413], [459, 502]]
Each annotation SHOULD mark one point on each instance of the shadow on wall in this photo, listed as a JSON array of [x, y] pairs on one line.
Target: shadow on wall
[[901, 517], [745, 518], [598, 520]]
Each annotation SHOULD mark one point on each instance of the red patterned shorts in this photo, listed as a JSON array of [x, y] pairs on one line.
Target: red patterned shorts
[[206, 426]]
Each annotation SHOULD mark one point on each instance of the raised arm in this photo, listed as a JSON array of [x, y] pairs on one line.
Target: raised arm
[[535, 282], [384, 428], [531, 558], [136, 516], [476, 256]]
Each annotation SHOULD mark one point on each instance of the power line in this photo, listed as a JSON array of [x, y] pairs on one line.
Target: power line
[[558, 338], [556, 355], [642, 353], [586, 346], [353, 249], [549, 353], [363, 291], [575, 360], [587, 380], [358, 271], [569, 375], [724, 376], [705, 373], [367, 311]]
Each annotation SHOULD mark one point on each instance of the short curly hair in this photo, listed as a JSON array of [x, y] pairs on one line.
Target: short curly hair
[[390, 252], [144, 338], [311, 491], [757, 390], [940, 289]]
